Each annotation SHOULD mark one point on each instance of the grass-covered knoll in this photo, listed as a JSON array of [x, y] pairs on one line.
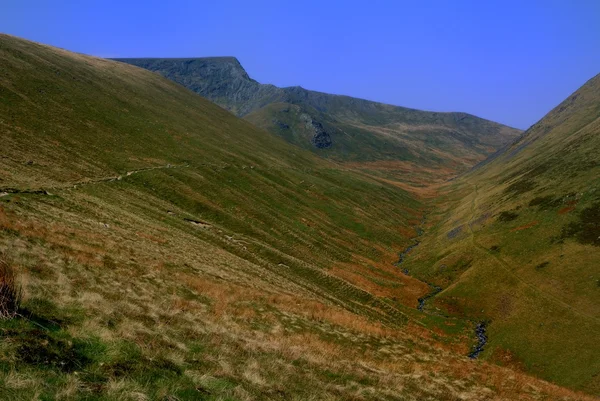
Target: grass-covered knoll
[[517, 244], [343, 128], [168, 250]]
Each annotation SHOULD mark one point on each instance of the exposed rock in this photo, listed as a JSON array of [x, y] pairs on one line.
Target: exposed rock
[[321, 139], [198, 223]]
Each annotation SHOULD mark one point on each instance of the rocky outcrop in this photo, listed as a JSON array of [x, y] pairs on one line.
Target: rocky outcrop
[[321, 138]]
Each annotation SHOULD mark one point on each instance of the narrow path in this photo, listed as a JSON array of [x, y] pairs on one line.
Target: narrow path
[[45, 191], [507, 267]]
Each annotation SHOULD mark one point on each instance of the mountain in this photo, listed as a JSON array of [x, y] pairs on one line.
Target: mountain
[[170, 250], [377, 136], [515, 243]]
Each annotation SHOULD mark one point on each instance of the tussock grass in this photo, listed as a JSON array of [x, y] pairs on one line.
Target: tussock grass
[[10, 290]]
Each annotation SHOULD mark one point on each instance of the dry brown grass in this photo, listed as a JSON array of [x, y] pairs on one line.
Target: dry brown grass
[[382, 278], [407, 361], [232, 300], [10, 290]]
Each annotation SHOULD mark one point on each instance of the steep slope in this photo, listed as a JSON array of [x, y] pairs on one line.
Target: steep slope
[[378, 136], [518, 246], [169, 250], [71, 121]]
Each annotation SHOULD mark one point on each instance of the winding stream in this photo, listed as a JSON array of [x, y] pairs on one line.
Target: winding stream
[[402, 257], [480, 329], [480, 332], [434, 291]]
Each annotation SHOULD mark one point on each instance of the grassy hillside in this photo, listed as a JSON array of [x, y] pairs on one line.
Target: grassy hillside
[[395, 141], [169, 250], [517, 246]]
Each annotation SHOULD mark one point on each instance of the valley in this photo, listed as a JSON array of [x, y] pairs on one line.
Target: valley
[[320, 247]]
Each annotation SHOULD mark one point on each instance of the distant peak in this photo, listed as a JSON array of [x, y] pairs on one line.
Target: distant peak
[[230, 60], [220, 59], [224, 63]]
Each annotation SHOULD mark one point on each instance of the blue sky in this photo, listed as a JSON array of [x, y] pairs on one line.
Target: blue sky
[[509, 61]]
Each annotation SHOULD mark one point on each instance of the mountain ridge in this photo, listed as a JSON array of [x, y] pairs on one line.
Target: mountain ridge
[[340, 127], [238, 65]]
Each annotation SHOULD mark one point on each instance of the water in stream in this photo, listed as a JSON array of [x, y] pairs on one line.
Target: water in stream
[[480, 332], [434, 291], [480, 329]]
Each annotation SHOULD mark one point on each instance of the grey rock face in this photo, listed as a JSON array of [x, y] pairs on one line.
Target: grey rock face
[[321, 139], [220, 79]]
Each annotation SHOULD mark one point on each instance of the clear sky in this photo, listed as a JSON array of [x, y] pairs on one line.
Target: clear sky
[[509, 61]]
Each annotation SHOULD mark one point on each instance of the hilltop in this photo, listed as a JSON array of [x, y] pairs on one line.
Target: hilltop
[[383, 139]]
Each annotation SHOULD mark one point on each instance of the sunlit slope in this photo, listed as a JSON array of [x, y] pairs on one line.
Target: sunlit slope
[[518, 245], [168, 250], [397, 141], [67, 117], [73, 119]]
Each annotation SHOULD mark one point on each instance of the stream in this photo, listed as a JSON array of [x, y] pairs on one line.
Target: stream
[[402, 257], [480, 328], [434, 291], [480, 332]]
